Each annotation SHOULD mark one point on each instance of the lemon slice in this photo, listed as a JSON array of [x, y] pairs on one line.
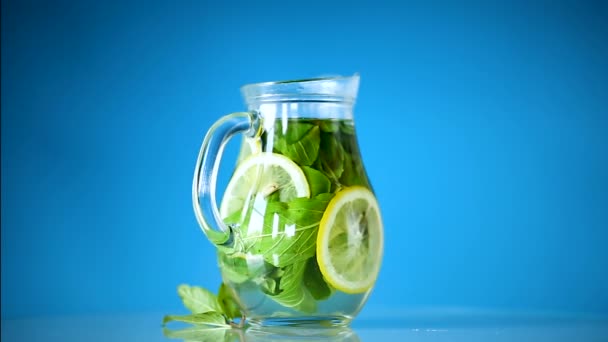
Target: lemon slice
[[249, 146], [263, 174], [350, 240]]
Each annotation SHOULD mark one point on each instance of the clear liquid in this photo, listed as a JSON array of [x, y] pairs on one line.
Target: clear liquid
[[289, 287]]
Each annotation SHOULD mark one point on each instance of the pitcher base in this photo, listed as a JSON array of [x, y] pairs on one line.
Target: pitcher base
[[320, 322]]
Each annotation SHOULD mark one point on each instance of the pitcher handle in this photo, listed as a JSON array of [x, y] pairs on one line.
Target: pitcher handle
[[205, 173]]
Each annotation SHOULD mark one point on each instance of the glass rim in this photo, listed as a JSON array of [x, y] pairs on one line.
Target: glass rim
[[323, 89]]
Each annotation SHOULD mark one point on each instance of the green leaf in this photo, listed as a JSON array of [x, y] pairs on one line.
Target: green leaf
[[317, 181], [329, 126], [274, 197], [197, 299], [303, 150], [211, 318], [347, 127], [292, 293], [296, 130], [331, 157], [352, 172], [238, 267], [308, 210], [270, 283], [289, 231], [314, 282], [228, 303], [234, 218]]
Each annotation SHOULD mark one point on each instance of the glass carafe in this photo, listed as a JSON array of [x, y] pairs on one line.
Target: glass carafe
[[299, 233]]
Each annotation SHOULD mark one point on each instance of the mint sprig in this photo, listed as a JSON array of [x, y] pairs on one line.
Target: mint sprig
[[197, 299], [208, 311]]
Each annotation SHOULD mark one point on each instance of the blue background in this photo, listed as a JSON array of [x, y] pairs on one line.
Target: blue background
[[483, 126]]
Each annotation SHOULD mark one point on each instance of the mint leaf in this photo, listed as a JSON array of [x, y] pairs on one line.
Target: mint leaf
[[314, 282], [347, 127], [289, 230], [296, 130], [238, 267], [292, 293], [197, 299], [234, 218], [331, 157], [274, 197], [270, 284], [317, 181], [304, 150], [228, 303], [234, 268], [211, 318], [308, 210], [329, 126], [352, 172]]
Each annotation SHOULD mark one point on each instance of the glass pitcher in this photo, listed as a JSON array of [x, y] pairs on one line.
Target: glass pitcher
[[299, 233]]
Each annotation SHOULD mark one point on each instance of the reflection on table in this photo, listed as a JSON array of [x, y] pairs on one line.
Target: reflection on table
[[435, 326]]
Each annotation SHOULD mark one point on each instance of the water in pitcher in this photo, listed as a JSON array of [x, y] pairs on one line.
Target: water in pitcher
[[306, 225]]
